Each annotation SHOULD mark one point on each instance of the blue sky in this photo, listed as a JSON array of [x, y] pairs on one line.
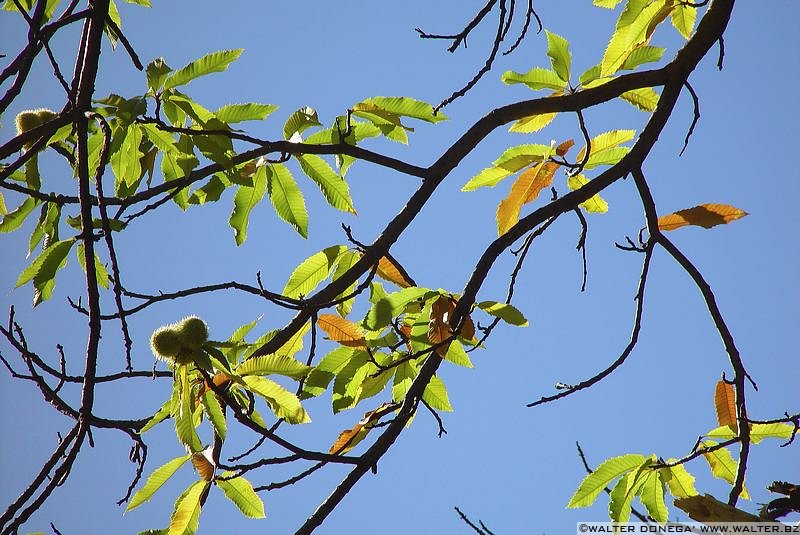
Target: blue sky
[[513, 467]]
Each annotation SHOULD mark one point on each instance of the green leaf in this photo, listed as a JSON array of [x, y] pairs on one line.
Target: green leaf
[[213, 62], [215, 413], [282, 402], [560, 58], [758, 432], [311, 271], [126, 157], [101, 273], [534, 123], [595, 203], [347, 386], [505, 312], [47, 225], [299, 121], [609, 470], [640, 55], [244, 201], [45, 266], [403, 377], [187, 508], [3, 209], [608, 4], [683, 18], [628, 35], [160, 415], [512, 160], [405, 107], [286, 198], [14, 219], [241, 493], [156, 480], [651, 493], [333, 187], [157, 71], [435, 395], [273, 364], [251, 111], [320, 377], [679, 481], [644, 98], [382, 312], [621, 497], [537, 78], [457, 355], [722, 464]]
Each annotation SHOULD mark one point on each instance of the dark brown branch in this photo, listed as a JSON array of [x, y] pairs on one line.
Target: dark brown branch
[[695, 118], [461, 37]]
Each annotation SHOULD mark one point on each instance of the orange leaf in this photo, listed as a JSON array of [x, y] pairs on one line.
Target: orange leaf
[[705, 215], [439, 324], [349, 438], [725, 403], [388, 271], [203, 465], [341, 330], [564, 147], [526, 188]]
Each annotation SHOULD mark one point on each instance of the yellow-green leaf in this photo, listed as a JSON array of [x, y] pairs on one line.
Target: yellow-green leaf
[[595, 203], [187, 507], [609, 470], [679, 481], [241, 493], [156, 480], [435, 395]]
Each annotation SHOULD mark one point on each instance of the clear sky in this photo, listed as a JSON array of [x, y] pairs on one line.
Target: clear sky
[[513, 467]]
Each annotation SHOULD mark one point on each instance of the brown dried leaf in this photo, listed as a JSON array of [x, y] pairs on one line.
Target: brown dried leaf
[[203, 464], [388, 271], [341, 330], [706, 508], [725, 403], [705, 215], [564, 147], [349, 438], [439, 324]]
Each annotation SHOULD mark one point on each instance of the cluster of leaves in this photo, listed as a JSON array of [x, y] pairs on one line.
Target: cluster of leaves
[[649, 477]]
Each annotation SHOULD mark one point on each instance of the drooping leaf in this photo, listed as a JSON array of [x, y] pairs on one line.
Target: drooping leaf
[[246, 198], [333, 187], [595, 203], [187, 508], [627, 36], [241, 493], [525, 189], [623, 493], [505, 312], [286, 197], [537, 78], [683, 19], [321, 376], [347, 385], [403, 377], [156, 480], [705, 215], [645, 98], [251, 111], [101, 273], [609, 470], [651, 493], [214, 412], [725, 405], [43, 269], [722, 465], [435, 395], [282, 402], [203, 464], [341, 330], [349, 438], [560, 58], [456, 354], [679, 481], [311, 271], [388, 271], [126, 159], [213, 62], [14, 219]]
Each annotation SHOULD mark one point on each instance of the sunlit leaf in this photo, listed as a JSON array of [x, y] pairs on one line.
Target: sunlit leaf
[[187, 508], [608, 4], [404, 107], [537, 78], [622, 494], [627, 36], [651, 493], [203, 464], [534, 123], [14, 219], [505, 312], [435, 395], [388, 271], [403, 377], [595, 203], [349, 438], [251, 111], [705, 215], [341, 330], [311, 271], [722, 464], [156, 480], [213, 62], [645, 98], [609, 470], [641, 55], [241, 493], [43, 269], [560, 58], [321, 376], [282, 402], [299, 121], [101, 273], [273, 364], [725, 405], [679, 481], [456, 354], [246, 198], [214, 411], [683, 19], [525, 189], [333, 187], [382, 312], [606, 141], [286, 197]]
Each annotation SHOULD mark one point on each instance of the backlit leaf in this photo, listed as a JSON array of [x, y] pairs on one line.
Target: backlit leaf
[[213, 62], [644, 98], [641, 55], [607, 140], [722, 465], [156, 480], [246, 198], [311, 271], [333, 187], [679, 481], [299, 121], [405, 107], [286, 197], [609, 470], [595, 203], [621, 497], [456, 354], [683, 18], [45, 266], [251, 111], [505, 312], [273, 364], [438, 324], [725, 405], [203, 464], [241, 493], [608, 4], [282, 402], [627, 36], [525, 189], [705, 215], [187, 508], [388, 271], [382, 312], [341, 330], [537, 78], [349, 438], [14, 219], [534, 123], [435, 395], [651, 493], [560, 58], [213, 409]]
